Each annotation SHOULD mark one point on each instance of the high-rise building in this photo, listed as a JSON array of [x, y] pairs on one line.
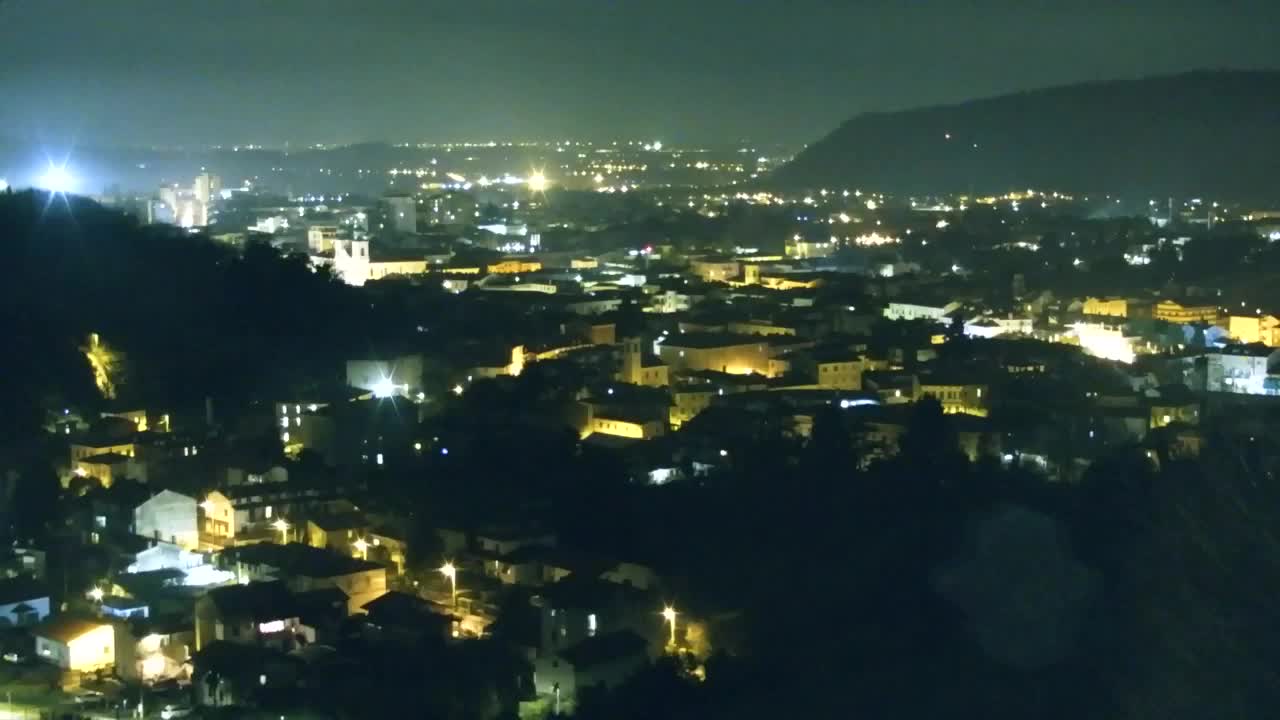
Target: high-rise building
[[403, 213], [206, 187]]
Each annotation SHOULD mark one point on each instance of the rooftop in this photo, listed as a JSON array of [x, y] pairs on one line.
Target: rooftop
[[298, 559], [260, 601], [65, 629], [711, 340]]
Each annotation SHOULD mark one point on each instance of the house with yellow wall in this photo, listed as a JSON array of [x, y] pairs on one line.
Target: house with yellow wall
[[720, 352], [956, 396], [1184, 313], [76, 644], [513, 266], [1106, 306], [1250, 329]]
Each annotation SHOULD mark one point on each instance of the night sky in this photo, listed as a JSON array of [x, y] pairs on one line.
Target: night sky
[[270, 71]]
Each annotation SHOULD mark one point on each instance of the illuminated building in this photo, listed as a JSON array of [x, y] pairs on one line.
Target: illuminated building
[[76, 644], [303, 568], [957, 396], [1107, 307], [1183, 314], [109, 467], [169, 516], [686, 403], [217, 519], [721, 352], [353, 262], [353, 534], [623, 426], [1104, 341], [843, 371], [801, 249], [789, 282], [936, 312], [255, 613], [206, 188], [639, 369], [758, 327], [1249, 329], [715, 270], [320, 238], [403, 211], [1239, 369], [512, 267]]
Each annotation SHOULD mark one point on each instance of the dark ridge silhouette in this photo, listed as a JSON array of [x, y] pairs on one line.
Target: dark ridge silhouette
[[1204, 132]]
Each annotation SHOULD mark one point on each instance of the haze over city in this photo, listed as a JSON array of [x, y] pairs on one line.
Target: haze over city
[[147, 73], [702, 360]]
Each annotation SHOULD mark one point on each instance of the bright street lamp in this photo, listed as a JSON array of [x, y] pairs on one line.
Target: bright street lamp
[[283, 527], [96, 594], [363, 547], [669, 615], [451, 572]]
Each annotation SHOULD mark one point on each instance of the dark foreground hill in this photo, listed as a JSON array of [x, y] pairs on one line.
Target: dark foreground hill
[[1208, 132]]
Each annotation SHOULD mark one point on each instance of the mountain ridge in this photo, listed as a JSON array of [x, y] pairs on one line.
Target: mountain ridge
[[1199, 132]]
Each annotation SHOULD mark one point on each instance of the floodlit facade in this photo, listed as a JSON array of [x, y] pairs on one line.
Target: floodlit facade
[[1108, 307], [736, 354], [1176, 312], [169, 516], [919, 311], [77, 645], [1249, 329]]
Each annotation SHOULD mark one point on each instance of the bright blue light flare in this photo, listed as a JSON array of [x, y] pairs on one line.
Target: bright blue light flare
[[57, 179]]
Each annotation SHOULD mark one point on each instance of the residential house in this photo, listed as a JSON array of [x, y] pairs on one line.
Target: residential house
[[23, 601], [1250, 329], [408, 618], [169, 516], [76, 644], [1240, 369], [258, 613], [304, 568], [603, 661], [216, 520]]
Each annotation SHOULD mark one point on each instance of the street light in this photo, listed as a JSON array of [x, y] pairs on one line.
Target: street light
[[451, 572], [669, 615], [283, 527], [96, 594], [363, 547]]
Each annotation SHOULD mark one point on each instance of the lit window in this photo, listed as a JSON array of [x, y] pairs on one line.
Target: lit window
[[591, 625], [267, 511]]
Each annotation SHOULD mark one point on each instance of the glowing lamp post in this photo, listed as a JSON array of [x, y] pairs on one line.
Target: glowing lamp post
[[283, 528], [669, 615], [451, 572]]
